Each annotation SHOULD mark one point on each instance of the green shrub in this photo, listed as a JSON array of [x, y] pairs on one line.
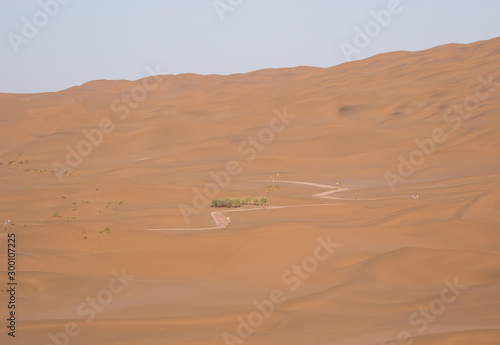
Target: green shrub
[[237, 202], [106, 230]]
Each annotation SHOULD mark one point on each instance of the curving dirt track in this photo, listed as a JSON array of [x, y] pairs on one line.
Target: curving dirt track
[[222, 221]]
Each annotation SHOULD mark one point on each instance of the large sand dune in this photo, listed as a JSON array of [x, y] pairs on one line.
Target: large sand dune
[[403, 270]]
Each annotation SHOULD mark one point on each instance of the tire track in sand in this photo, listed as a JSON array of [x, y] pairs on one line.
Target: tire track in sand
[[222, 221]]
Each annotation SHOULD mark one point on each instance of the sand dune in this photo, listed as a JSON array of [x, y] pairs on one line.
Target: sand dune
[[436, 111]]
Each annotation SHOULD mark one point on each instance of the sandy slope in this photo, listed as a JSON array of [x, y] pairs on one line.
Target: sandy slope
[[350, 124]]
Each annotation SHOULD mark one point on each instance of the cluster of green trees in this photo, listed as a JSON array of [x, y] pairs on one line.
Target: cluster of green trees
[[237, 202]]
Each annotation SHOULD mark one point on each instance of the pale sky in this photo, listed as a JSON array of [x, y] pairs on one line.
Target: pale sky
[[50, 45]]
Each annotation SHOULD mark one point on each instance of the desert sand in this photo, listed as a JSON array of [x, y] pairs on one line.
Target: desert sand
[[363, 261]]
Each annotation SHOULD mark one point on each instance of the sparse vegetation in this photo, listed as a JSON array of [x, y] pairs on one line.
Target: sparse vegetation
[[106, 230], [16, 162], [270, 188], [56, 215]]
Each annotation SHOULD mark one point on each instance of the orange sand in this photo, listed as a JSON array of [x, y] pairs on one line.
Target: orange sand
[[351, 124]]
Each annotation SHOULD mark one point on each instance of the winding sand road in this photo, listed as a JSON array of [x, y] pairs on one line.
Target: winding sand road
[[323, 195], [221, 220]]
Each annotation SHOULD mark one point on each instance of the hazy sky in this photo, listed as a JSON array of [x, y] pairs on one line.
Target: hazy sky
[[50, 45]]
